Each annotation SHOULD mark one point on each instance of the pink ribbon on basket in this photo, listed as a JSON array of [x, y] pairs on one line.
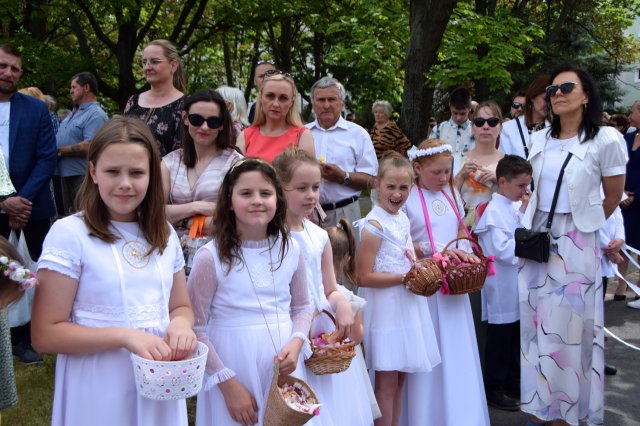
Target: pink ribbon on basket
[[443, 261], [491, 268]]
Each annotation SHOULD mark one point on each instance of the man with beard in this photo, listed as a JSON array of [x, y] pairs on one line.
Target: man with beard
[[28, 147]]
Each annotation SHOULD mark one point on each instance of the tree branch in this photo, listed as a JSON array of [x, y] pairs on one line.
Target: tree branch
[[96, 26], [145, 28]]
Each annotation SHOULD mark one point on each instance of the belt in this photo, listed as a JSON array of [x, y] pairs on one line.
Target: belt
[[338, 204]]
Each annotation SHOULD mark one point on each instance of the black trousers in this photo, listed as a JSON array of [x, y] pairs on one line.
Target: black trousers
[[34, 234], [502, 358]]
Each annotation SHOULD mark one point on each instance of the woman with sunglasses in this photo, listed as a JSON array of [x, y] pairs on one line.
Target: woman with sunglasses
[[561, 301], [192, 175], [277, 125], [515, 135], [160, 106], [476, 179]]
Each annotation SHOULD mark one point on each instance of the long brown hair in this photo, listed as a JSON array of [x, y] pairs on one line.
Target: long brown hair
[[224, 218], [343, 243], [151, 216]]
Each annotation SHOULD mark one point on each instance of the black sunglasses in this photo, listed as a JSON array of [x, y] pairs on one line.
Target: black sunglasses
[[213, 122], [278, 72], [492, 121], [565, 88], [517, 105]]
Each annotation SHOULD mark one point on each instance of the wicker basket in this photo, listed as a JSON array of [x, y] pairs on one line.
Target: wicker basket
[[424, 278], [329, 360], [467, 278], [278, 412]]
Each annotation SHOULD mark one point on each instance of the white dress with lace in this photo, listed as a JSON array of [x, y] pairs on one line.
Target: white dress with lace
[[99, 388], [344, 396], [237, 314], [398, 333]]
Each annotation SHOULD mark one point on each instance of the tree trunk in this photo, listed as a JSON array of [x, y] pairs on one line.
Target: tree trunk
[[428, 21], [227, 62]]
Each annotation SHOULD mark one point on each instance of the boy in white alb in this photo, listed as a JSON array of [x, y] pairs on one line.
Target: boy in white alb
[[500, 307]]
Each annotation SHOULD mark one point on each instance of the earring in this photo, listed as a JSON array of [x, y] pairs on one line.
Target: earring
[[585, 107]]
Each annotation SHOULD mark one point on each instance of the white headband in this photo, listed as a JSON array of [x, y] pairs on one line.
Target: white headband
[[416, 152]]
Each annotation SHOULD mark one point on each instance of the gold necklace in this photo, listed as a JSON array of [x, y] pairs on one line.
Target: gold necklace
[[134, 252]]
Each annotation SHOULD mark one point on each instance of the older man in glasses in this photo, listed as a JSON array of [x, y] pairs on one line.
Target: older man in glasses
[[75, 134]]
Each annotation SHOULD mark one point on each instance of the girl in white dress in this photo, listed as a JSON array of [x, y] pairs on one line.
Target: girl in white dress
[[248, 287], [112, 283], [343, 395], [399, 336], [453, 393], [343, 245]]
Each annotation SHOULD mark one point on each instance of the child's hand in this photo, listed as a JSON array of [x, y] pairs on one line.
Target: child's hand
[[344, 320], [614, 246], [240, 403], [525, 200], [459, 256], [147, 345], [180, 338], [288, 356], [615, 258]]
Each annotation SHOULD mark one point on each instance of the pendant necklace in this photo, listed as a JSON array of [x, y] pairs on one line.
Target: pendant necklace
[[134, 252]]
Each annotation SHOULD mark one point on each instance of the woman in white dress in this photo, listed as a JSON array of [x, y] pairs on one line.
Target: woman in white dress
[[112, 283], [453, 392], [248, 287]]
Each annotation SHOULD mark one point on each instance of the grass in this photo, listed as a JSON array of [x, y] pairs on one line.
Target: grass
[[35, 395]]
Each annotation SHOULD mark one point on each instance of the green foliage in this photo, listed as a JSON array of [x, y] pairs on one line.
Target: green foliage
[[483, 47]]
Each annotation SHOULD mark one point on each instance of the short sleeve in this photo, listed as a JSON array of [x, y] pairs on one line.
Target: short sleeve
[[174, 245], [612, 155], [62, 248], [367, 161]]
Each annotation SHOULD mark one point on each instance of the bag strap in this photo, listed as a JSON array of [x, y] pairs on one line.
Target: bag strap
[[425, 212], [382, 234], [524, 144], [557, 191]]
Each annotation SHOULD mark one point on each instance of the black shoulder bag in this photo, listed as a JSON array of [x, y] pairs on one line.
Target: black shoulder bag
[[536, 245]]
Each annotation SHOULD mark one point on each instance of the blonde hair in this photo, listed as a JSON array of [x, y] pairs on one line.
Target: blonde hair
[[343, 243], [172, 54], [286, 163], [293, 116], [394, 160], [34, 92]]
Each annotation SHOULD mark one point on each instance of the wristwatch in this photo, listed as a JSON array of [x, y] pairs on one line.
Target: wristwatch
[[346, 179]]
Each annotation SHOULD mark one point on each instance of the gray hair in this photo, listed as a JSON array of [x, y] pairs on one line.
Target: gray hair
[[327, 82], [385, 105], [236, 97]]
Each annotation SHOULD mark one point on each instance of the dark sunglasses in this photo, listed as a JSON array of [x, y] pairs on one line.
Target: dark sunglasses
[[565, 88], [196, 120], [517, 105], [278, 72], [492, 121]]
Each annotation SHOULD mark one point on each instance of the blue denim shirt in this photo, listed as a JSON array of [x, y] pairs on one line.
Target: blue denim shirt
[[80, 125]]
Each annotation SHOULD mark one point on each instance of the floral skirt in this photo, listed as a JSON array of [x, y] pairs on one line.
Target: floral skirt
[[562, 336]]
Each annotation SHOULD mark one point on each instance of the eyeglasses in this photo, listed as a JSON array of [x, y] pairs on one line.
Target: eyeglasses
[[565, 88], [153, 62], [277, 72], [517, 105], [213, 122], [492, 121]]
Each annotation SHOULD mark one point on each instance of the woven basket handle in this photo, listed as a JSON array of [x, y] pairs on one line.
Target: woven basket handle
[[475, 244], [315, 314]]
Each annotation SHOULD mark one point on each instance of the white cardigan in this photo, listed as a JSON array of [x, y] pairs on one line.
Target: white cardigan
[[603, 156]]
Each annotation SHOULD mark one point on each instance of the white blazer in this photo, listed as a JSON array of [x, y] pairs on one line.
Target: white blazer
[[603, 156], [510, 139]]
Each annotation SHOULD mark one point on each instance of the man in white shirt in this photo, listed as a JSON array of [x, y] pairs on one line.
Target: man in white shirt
[[457, 130], [345, 151]]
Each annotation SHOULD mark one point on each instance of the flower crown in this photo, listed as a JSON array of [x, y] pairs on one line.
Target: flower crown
[[18, 273], [416, 152]]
